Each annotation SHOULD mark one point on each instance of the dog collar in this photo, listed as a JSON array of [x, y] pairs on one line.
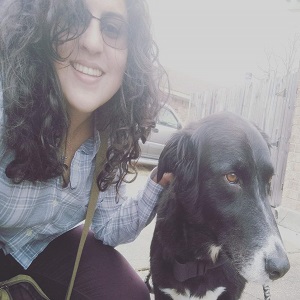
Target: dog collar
[[191, 269]]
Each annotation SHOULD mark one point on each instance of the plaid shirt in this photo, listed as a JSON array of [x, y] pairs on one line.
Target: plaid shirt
[[33, 214]]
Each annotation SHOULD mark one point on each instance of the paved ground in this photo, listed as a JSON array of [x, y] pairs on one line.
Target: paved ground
[[286, 288]]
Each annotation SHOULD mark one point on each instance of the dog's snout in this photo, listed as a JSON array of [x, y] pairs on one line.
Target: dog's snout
[[277, 264]]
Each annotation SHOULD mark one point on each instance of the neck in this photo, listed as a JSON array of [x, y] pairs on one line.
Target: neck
[[196, 267], [79, 130], [79, 123]]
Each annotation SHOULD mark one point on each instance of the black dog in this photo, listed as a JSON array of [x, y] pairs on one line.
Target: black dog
[[215, 229]]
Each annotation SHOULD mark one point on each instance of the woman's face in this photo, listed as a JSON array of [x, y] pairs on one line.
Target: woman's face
[[93, 72]]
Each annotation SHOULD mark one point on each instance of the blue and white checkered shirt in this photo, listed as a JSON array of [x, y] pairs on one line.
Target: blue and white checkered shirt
[[33, 214]]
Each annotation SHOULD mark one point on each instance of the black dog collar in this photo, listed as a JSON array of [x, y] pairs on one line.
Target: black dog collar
[[191, 269]]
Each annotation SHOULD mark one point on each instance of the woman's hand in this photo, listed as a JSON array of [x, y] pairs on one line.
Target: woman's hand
[[166, 179]]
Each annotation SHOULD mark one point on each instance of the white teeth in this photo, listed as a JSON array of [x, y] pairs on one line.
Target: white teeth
[[86, 70]]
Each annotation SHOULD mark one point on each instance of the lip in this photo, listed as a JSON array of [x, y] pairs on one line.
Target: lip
[[87, 72]]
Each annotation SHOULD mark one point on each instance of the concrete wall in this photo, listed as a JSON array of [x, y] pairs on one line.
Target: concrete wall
[[291, 187]]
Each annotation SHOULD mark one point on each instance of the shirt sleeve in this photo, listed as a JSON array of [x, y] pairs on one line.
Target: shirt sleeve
[[118, 219]]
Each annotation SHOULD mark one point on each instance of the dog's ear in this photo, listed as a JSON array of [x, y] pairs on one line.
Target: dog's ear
[[265, 137], [178, 157]]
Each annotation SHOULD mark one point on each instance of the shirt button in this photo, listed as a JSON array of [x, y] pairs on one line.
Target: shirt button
[[54, 203], [29, 232]]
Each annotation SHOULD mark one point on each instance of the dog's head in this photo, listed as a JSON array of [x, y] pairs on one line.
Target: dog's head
[[222, 174]]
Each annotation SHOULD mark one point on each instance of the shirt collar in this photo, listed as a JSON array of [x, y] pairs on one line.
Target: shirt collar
[[91, 146]]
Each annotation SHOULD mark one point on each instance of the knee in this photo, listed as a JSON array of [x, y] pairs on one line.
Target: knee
[[110, 273], [136, 289]]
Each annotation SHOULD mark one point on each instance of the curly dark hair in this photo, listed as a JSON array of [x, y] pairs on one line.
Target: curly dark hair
[[36, 118]]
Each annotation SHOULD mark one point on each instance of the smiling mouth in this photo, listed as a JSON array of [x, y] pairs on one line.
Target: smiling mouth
[[86, 70]]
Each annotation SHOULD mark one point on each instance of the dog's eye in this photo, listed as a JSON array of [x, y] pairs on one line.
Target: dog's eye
[[232, 178]]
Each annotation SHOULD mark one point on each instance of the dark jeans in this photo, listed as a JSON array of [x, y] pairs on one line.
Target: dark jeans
[[103, 272]]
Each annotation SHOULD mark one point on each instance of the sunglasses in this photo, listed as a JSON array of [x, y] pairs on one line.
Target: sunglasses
[[114, 31]]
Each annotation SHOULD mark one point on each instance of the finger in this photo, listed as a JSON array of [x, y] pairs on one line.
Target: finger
[[166, 179]]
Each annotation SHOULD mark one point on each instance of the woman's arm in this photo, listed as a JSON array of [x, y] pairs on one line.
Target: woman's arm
[[117, 223]]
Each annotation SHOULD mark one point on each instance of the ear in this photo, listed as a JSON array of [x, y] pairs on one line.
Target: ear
[[265, 137], [178, 157]]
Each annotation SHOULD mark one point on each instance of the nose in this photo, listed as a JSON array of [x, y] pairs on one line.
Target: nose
[[277, 264], [91, 39]]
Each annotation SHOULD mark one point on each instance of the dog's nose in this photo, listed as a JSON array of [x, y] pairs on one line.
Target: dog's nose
[[277, 264]]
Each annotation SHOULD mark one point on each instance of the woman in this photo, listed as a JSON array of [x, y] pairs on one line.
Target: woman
[[69, 70]]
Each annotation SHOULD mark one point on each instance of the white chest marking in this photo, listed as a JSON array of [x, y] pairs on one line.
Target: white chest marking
[[210, 295]]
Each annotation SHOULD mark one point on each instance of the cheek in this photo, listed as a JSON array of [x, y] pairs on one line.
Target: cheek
[[118, 63], [62, 69], [66, 49]]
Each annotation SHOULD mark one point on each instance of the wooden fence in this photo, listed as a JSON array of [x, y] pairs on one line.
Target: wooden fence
[[269, 104]]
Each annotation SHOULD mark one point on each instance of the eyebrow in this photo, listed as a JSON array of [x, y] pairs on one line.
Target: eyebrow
[[114, 15]]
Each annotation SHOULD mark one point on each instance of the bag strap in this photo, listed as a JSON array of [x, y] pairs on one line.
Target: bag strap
[[100, 160]]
